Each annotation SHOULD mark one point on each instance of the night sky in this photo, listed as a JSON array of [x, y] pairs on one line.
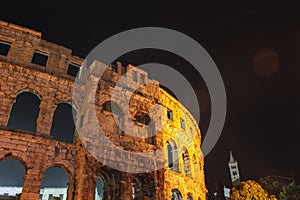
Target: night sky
[[255, 45]]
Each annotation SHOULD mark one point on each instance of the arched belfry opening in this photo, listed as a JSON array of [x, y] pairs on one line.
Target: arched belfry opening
[[63, 126], [24, 112]]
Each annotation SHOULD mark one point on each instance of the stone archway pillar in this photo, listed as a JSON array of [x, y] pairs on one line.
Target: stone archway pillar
[[70, 191], [44, 120], [5, 109], [126, 186], [32, 185], [85, 173]]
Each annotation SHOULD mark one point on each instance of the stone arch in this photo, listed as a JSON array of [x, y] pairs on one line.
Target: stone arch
[[143, 187], [142, 118], [25, 111], [176, 195], [137, 192], [63, 125], [31, 90], [99, 188], [173, 162], [190, 196], [52, 183], [65, 165], [8, 155], [196, 167], [12, 172], [186, 162], [111, 180]]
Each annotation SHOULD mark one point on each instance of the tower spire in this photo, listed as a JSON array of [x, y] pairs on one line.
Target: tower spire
[[231, 159]]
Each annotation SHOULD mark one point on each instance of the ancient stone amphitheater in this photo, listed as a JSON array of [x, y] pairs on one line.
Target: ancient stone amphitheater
[[45, 72]]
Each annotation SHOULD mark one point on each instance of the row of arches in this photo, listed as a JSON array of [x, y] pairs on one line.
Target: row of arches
[[108, 186], [13, 172], [25, 112], [173, 160], [56, 182]]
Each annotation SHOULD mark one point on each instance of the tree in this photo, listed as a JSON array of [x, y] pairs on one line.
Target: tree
[[270, 185], [250, 190], [290, 192]]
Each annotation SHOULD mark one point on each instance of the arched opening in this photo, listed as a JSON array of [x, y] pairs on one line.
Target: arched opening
[[143, 187], [112, 107], [109, 180], [173, 156], [196, 167], [137, 191], [190, 196], [12, 174], [144, 121], [186, 162], [24, 112], [54, 184], [63, 126], [176, 195], [142, 118], [99, 189]]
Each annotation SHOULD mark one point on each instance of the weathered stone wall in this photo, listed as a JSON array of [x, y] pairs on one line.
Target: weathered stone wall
[[51, 83], [37, 154]]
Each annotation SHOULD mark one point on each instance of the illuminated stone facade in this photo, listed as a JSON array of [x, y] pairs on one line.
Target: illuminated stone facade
[[32, 65]]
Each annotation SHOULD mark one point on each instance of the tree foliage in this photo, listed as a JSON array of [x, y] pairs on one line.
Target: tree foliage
[[250, 190], [290, 192], [271, 186]]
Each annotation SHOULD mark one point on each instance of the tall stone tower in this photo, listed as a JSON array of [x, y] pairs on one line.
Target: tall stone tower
[[234, 170]]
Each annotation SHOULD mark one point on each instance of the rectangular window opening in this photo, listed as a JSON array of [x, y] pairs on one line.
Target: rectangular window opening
[[39, 58], [73, 69], [170, 114], [142, 79], [50, 196], [4, 48], [134, 76], [182, 123]]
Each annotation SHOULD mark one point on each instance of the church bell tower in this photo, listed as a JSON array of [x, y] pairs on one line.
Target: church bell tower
[[234, 170]]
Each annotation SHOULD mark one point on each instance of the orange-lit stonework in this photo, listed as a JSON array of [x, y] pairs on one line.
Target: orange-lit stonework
[[50, 79]]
